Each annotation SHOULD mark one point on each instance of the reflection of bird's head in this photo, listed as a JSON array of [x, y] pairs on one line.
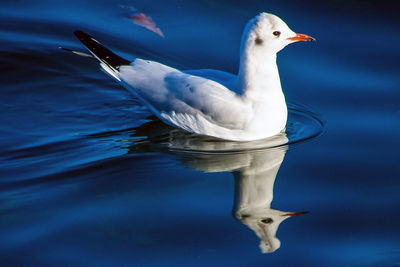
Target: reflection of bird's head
[[265, 223]]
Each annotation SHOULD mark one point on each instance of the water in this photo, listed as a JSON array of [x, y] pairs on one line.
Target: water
[[87, 179]]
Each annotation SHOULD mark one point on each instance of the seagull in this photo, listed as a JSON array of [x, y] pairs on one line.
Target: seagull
[[244, 107]]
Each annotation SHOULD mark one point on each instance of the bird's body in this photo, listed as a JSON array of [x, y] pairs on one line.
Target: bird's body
[[244, 107]]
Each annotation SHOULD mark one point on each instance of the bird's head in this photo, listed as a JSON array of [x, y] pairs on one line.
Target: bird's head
[[268, 33]]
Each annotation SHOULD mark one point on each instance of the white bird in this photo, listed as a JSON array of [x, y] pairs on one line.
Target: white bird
[[244, 107]]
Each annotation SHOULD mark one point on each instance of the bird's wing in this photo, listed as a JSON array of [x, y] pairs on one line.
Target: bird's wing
[[173, 94], [186, 100], [226, 79]]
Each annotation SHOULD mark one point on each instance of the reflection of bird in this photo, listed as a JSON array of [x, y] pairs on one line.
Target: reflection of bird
[[254, 186], [246, 107], [254, 171]]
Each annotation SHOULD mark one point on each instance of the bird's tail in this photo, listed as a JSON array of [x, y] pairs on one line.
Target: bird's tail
[[109, 61]]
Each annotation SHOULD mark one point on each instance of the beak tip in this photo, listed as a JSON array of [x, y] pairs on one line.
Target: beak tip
[[301, 37], [291, 214]]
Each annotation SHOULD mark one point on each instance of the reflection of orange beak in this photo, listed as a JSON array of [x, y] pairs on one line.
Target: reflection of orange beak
[[290, 214], [301, 37]]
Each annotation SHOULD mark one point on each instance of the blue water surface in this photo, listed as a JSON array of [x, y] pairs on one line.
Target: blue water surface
[[87, 178]]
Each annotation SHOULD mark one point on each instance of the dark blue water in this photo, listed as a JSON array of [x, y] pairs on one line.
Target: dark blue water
[[87, 178]]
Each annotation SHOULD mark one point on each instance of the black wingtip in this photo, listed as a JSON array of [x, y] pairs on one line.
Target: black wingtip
[[100, 51], [78, 33], [82, 36]]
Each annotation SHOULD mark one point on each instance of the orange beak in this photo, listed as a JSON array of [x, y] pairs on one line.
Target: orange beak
[[301, 37], [290, 214]]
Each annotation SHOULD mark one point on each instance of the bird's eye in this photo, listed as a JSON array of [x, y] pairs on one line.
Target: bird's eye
[[276, 33], [267, 220]]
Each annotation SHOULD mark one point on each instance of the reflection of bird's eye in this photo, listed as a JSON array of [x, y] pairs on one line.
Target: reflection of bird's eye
[[267, 220], [276, 33]]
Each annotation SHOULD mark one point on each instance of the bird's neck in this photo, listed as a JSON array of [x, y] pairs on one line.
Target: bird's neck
[[259, 84], [254, 184], [258, 75]]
